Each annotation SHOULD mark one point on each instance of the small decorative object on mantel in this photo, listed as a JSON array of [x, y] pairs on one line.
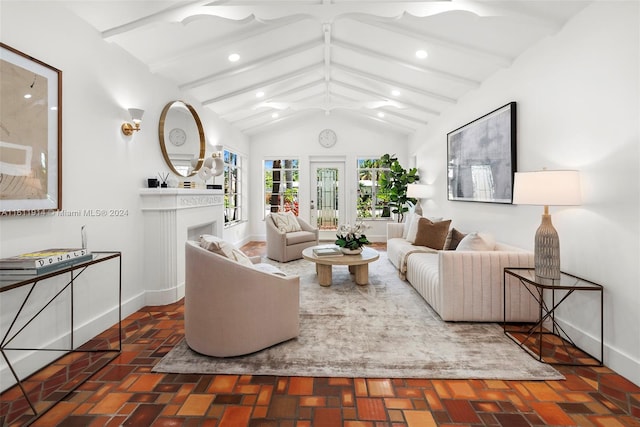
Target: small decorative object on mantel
[[351, 238], [163, 179]]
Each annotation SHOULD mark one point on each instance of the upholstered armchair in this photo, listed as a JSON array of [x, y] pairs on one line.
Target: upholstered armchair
[[286, 243], [232, 309]]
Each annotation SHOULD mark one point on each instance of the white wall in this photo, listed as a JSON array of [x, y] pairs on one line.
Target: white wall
[[102, 169], [577, 95], [356, 138]]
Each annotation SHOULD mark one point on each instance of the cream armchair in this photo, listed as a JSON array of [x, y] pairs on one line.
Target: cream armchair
[[286, 246], [232, 309]]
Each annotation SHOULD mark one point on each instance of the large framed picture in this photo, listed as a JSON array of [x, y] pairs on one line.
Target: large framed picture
[[30, 135], [481, 158]]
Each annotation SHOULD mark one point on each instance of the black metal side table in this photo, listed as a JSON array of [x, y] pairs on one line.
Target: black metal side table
[[8, 283], [541, 290]]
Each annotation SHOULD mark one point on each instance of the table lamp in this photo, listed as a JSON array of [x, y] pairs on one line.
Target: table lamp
[[546, 188], [418, 191]]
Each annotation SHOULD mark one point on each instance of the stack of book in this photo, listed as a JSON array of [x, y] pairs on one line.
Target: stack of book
[[42, 261], [327, 251]]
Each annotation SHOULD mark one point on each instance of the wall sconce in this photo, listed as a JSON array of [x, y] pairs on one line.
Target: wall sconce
[[136, 117], [217, 151]]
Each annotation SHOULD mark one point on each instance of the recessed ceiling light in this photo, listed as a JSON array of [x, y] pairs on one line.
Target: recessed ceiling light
[[421, 54], [259, 94], [395, 92], [234, 57], [27, 95]]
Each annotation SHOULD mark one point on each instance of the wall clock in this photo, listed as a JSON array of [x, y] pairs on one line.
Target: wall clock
[[327, 138], [177, 136]]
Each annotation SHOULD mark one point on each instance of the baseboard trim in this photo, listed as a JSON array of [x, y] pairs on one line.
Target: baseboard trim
[[613, 357], [164, 296], [32, 361]]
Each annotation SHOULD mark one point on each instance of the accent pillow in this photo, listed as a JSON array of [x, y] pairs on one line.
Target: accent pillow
[[410, 219], [453, 239], [286, 222], [432, 234], [216, 245], [241, 258], [477, 242], [413, 229]]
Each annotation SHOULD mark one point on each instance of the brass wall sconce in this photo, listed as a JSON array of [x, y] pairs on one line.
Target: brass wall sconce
[[136, 117]]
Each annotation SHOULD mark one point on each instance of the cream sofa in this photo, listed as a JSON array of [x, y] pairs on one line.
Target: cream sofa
[[232, 308], [464, 285]]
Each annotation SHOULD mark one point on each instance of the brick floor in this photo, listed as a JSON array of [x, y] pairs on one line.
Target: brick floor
[[126, 393]]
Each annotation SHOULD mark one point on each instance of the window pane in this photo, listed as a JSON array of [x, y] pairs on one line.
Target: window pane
[[281, 185]]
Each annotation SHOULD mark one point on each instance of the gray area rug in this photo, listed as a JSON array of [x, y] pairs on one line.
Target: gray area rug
[[382, 330]]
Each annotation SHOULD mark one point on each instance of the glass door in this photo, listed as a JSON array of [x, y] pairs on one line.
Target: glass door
[[327, 198]]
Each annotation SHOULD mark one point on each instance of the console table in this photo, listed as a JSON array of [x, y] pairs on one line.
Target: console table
[[9, 283], [565, 287]]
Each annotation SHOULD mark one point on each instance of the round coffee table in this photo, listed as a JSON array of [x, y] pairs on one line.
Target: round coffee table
[[358, 264]]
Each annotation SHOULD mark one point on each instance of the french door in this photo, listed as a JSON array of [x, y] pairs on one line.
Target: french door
[[327, 197]]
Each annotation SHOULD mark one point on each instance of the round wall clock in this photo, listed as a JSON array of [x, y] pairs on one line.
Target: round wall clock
[[177, 136], [327, 138]]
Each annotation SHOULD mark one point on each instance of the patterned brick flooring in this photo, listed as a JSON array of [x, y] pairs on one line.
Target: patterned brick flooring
[[126, 393]]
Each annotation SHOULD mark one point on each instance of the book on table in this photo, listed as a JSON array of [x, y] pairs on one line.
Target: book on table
[[42, 259], [33, 271], [327, 251]]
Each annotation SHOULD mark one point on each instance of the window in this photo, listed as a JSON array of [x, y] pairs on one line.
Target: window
[[372, 201], [281, 185], [232, 187]]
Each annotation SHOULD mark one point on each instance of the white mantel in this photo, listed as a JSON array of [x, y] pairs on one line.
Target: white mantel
[[171, 217]]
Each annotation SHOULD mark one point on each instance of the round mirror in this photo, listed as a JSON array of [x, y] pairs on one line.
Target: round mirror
[[181, 138]]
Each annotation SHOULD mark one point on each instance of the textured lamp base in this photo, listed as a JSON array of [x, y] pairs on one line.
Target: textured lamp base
[[547, 250]]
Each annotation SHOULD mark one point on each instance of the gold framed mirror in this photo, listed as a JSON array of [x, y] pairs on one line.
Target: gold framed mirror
[[181, 138]]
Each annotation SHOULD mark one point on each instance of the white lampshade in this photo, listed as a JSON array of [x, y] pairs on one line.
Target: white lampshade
[[419, 191], [136, 114], [547, 188]]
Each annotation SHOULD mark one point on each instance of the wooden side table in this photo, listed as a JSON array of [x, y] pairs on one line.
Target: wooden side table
[[558, 291]]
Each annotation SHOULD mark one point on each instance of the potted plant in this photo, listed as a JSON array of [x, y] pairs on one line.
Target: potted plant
[[351, 239], [395, 182]]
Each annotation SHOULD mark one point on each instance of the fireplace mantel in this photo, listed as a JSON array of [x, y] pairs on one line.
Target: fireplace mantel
[[171, 217]]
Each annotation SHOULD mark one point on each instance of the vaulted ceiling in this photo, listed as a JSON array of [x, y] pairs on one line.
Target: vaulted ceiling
[[341, 57]]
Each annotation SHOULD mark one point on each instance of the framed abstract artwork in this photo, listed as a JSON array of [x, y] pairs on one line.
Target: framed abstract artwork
[[481, 158], [30, 135]]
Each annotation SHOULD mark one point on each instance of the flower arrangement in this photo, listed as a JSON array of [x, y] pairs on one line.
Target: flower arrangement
[[352, 237]]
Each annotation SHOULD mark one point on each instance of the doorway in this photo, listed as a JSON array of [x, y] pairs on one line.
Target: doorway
[[327, 198]]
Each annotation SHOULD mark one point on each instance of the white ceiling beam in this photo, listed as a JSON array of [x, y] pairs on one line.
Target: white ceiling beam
[[408, 65], [252, 88], [472, 51], [386, 111], [381, 96], [207, 46], [272, 122], [288, 92], [325, 12], [258, 63], [393, 83], [374, 117]]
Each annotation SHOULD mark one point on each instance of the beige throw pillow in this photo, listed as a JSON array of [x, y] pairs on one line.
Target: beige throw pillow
[[286, 222], [218, 246], [411, 218], [432, 234], [477, 242]]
